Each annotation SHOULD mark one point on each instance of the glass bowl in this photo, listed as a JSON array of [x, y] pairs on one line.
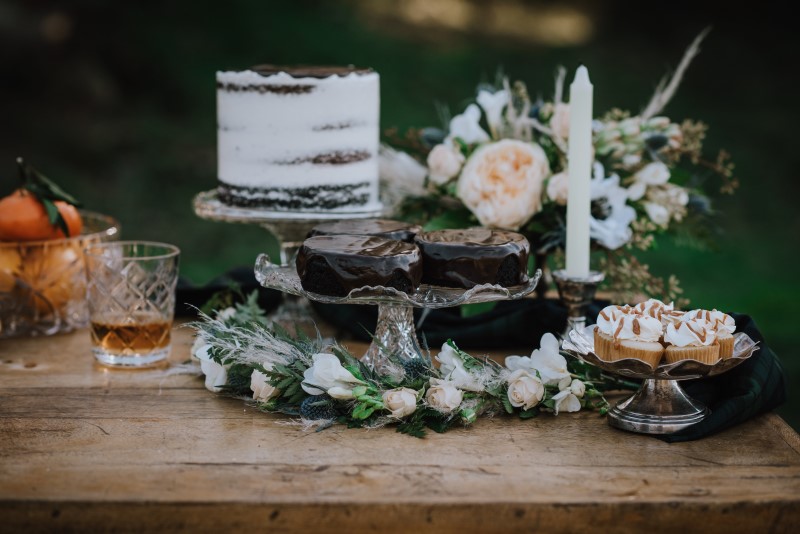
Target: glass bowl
[[43, 283]]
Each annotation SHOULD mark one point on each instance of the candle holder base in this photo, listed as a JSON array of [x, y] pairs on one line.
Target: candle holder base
[[576, 293]]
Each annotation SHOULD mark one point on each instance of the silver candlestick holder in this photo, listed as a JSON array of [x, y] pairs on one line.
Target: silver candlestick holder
[[576, 293]]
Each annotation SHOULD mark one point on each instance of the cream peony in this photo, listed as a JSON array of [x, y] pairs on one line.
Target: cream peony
[[327, 375], [401, 401], [502, 183], [444, 163], [559, 122], [558, 188], [525, 390], [260, 386], [443, 396]]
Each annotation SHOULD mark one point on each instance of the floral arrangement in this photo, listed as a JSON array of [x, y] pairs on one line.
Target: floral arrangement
[[243, 355], [501, 163]]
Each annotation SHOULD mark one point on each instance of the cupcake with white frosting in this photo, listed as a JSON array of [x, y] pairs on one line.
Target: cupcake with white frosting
[[724, 326], [628, 335], [691, 339]]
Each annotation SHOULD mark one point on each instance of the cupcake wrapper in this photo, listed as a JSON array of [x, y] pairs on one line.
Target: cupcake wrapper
[[606, 349], [725, 347], [706, 354]]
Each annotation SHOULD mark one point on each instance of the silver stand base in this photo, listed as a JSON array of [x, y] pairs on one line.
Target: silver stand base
[[659, 407]]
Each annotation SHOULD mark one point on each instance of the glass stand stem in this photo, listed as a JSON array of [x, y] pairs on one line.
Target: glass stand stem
[[394, 335]]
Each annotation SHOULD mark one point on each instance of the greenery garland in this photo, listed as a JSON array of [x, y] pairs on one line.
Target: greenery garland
[[244, 355]]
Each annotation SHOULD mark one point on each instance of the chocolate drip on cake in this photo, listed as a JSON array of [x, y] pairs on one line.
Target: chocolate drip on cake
[[309, 198], [397, 230], [335, 265], [466, 258]]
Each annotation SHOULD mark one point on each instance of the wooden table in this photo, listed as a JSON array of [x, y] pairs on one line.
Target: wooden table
[[83, 448]]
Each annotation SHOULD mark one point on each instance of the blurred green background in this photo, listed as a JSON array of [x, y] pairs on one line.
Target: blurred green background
[[116, 101]]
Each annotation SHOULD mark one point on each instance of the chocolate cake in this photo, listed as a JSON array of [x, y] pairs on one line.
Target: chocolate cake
[[380, 227], [334, 265], [466, 258]]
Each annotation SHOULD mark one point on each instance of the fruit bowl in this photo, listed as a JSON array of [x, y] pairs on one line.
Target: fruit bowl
[[43, 283]]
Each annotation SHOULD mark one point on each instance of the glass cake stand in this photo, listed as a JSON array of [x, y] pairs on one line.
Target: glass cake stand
[[395, 332], [660, 406], [290, 228]]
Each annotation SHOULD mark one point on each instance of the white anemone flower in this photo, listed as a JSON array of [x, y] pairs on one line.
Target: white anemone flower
[[467, 126], [612, 226], [493, 104]]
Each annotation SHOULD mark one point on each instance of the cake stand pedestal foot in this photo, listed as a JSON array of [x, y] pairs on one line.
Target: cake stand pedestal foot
[[659, 407], [395, 335]]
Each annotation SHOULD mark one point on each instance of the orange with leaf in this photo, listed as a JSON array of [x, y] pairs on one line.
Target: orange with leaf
[[38, 210]]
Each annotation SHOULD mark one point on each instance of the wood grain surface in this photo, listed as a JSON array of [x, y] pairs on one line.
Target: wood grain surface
[[85, 448]]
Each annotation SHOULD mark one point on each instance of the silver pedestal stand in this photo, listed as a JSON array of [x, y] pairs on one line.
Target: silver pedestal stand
[[660, 406], [576, 293], [290, 228], [395, 333]]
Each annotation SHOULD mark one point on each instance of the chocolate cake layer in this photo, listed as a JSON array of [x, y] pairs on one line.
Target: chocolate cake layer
[[335, 265], [319, 197], [466, 258], [398, 230]]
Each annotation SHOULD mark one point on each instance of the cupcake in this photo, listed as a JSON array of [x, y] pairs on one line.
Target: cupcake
[[691, 339], [724, 326], [630, 335]]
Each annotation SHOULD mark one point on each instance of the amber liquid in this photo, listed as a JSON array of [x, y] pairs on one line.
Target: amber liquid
[[148, 333]]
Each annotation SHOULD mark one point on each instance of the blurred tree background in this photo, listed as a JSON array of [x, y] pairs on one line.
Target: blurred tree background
[[116, 101]]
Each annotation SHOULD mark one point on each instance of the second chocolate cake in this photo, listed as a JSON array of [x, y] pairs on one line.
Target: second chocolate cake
[[466, 258], [335, 265]]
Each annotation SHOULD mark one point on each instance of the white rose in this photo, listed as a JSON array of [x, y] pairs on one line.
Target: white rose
[[524, 389], [444, 163], [502, 183], [326, 375], [656, 173], [493, 104], [443, 396], [577, 388], [559, 121], [401, 401], [260, 386], [467, 128], [453, 370], [558, 188], [658, 214], [566, 401], [216, 374]]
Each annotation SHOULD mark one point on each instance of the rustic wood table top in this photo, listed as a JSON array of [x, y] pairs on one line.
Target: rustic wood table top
[[85, 448]]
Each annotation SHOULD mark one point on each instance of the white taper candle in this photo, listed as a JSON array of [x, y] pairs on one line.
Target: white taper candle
[[579, 160]]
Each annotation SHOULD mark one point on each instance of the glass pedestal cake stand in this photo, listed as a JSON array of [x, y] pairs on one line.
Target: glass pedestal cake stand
[[290, 228], [660, 406], [395, 332]]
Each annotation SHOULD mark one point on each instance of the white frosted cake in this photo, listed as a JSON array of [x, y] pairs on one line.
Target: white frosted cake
[[298, 138]]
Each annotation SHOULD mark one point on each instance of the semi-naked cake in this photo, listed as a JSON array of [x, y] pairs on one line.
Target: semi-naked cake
[[298, 138]]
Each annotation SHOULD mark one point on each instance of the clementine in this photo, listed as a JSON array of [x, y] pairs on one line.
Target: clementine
[[24, 218]]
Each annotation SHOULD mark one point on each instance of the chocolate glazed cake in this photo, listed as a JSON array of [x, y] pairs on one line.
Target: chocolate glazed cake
[[398, 230], [335, 265], [298, 138], [466, 258]]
